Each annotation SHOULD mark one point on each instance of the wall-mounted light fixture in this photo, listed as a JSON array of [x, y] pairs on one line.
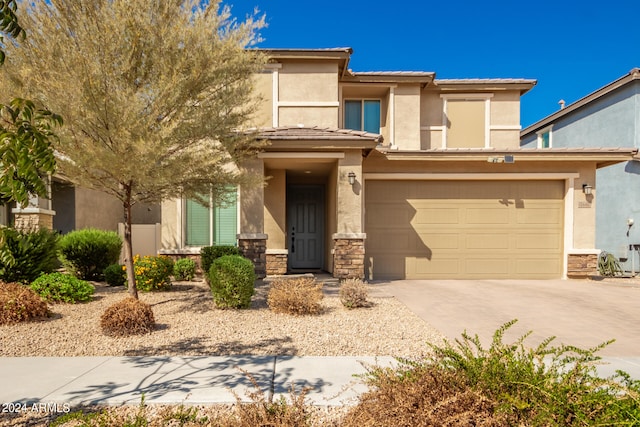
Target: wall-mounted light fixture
[[352, 177], [586, 189]]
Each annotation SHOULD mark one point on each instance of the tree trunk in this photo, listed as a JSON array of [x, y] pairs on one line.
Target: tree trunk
[[128, 248]]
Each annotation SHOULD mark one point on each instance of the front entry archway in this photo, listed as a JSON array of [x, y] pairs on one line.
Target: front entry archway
[[305, 226]]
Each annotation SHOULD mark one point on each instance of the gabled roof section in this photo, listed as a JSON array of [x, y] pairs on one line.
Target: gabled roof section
[[422, 77], [524, 85], [314, 138], [631, 76]]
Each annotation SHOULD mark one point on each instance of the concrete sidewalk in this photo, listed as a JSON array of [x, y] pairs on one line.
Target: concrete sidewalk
[[174, 380]]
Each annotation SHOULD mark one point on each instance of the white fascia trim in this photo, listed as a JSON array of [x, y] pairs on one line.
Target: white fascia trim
[[308, 104], [275, 96], [539, 136], [568, 222], [506, 127], [473, 96], [392, 118], [469, 176], [584, 251], [365, 85], [433, 127], [33, 210], [294, 155]]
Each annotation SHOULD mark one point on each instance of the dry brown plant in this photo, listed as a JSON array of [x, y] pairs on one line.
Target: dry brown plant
[[18, 303], [297, 296], [129, 316]]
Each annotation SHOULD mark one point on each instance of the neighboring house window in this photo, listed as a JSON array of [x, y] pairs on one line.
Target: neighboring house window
[[544, 138], [466, 120], [362, 114], [209, 226]]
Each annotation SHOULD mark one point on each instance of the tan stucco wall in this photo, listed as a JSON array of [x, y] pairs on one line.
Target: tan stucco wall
[[263, 86], [331, 216], [275, 212], [407, 113], [349, 210], [309, 116], [308, 81], [431, 106], [171, 225], [505, 119], [584, 208], [252, 201]]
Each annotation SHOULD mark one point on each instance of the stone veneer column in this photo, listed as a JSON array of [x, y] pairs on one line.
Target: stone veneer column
[[581, 265], [33, 218], [277, 261], [348, 255], [254, 248]]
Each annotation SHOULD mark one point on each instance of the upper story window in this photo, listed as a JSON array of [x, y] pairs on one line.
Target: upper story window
[[362, 114], [208, 226], [544, 138], [466, 120]]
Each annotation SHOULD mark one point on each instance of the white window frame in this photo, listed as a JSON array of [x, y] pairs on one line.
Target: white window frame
[[541, 132], [471, 97], [182, 219]]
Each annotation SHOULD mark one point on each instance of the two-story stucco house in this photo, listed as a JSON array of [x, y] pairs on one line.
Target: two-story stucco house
[[389, 175], [607, 117]]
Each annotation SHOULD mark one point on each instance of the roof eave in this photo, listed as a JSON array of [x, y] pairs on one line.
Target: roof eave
[[631, 76]]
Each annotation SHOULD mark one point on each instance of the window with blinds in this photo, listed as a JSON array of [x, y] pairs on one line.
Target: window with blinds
[[205, 226]]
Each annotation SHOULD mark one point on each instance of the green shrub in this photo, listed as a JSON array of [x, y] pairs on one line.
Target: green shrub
[[152, 273], [184, 269], [115, 275], [86, 253], [512, 384], [297, 296], [59, 287], [231, 279], [18, 303], [208, 254], [24, 255]]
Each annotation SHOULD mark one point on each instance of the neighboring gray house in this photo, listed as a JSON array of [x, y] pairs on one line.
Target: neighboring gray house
[[608, 117]]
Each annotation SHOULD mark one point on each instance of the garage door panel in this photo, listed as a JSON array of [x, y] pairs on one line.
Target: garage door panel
[[487, 215], [490, 241], [487, 266], [546, 215], [464, 229], [550, 241], [436, 216]]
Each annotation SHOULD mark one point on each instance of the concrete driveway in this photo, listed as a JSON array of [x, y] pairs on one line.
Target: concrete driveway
[[583, 313]]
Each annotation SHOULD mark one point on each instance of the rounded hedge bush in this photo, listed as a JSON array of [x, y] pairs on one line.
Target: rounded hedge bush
[[60, 287], [86, 253], [184, 269], [208, 254], [115, 275], [232, 279], [18, 303]]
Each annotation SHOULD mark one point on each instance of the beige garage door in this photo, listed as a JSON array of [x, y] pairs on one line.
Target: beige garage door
[[464, 229]]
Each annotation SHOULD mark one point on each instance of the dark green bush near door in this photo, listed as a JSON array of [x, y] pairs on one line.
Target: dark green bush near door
[[231, 279], [86, 253], [25, 255], [208, 254]]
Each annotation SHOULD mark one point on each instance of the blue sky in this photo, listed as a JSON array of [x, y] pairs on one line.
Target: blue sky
[[572, 48]]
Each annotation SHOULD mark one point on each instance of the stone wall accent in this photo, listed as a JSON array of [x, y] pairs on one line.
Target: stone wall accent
[[277, 261], [254, 248], [348, 256], [580, 266], [33, 220]]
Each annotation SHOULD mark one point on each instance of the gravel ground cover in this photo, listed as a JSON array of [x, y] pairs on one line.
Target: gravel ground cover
[[189, 324]]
